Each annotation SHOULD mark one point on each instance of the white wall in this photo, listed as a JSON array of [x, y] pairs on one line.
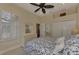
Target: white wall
[[24, 17], [58, 25]]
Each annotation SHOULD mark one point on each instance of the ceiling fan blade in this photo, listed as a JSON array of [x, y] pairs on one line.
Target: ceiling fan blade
[[42, 4], [43, 10], [49, 6], [37, 10], [34, 4]]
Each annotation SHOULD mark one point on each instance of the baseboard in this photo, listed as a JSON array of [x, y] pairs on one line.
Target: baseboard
[[9, 49]]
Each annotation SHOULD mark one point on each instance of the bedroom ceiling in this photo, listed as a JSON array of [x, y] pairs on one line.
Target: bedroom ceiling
[[58, 7]]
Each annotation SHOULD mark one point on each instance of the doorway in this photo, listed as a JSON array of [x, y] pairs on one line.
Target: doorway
[[38, 30]]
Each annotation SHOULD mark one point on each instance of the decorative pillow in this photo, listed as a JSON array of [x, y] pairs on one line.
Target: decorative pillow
[[77, 35], [59, 45]]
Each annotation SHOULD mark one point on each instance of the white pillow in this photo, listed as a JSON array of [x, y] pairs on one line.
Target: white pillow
[[77, 35], [59, 44]]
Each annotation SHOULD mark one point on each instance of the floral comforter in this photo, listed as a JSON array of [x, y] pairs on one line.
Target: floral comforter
[[71, 46], [40, 46], [44, 46]]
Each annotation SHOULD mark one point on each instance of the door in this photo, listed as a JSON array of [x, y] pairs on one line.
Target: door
[[42, 30], [38, 30], [63, 28]]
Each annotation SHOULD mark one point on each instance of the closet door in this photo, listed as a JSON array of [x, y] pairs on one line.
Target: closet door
[[67, 27], [45, 29], [42, 30], [48, 29], [56, 29], [63, 28]]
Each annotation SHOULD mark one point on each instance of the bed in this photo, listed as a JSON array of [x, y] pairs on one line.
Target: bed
[[61, 43], [39, 46], [51, 46]]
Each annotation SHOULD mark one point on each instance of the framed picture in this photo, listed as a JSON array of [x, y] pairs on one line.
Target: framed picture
[[27, 29]]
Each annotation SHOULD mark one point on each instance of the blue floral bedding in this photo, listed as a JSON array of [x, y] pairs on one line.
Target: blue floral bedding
[[44, 46]]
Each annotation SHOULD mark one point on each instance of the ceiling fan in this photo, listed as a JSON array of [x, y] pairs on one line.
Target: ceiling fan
[[42, 6]]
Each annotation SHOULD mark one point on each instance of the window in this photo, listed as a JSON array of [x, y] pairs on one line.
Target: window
[[9, 28]]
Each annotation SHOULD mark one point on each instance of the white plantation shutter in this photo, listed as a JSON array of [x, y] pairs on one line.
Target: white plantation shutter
[[5, 31], [9, 27]]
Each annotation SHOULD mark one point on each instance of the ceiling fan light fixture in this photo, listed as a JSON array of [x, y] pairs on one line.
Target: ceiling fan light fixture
[[42, 6]]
